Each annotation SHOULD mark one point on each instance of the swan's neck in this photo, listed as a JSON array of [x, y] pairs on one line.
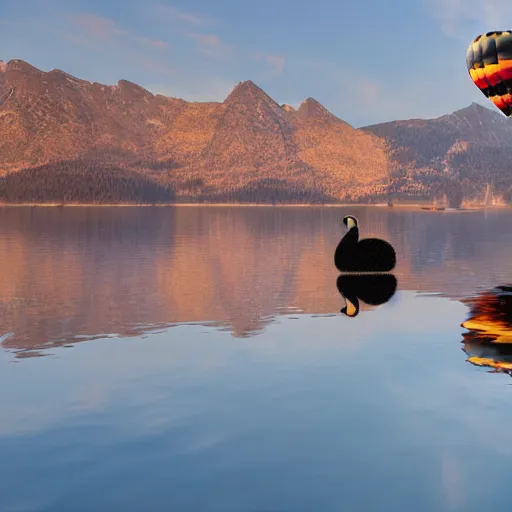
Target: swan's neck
[[352, 236]]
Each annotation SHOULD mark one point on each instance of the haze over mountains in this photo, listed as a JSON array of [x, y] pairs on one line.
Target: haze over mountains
[[68, 140]]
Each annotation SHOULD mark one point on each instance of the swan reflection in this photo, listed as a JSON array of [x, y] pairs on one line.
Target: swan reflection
[[372, 289]]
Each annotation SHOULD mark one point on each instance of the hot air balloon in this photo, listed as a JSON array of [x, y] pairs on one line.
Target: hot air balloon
[[489, 62]]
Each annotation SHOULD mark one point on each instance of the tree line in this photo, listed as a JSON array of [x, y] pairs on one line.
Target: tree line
[[82, 181], [90, 181]]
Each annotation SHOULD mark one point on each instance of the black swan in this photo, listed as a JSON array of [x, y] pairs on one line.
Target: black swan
[[367, 255]]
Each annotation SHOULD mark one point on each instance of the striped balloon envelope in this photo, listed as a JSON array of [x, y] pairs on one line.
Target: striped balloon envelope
[[489, 62]]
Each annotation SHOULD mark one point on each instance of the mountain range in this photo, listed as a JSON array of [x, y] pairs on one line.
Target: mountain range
[[65, 139]]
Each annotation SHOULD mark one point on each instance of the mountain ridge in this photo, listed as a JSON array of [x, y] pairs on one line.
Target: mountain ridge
[[246, 148], [468, 148]]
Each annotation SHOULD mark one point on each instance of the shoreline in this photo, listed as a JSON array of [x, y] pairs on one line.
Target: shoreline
[[415, 206]]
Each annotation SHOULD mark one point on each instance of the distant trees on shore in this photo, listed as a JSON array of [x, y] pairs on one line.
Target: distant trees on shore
[[81, 181], [91, 181]]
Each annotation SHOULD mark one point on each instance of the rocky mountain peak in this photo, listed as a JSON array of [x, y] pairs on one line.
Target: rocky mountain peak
[[311, 109], [477, 111], [22, 67], [249, 93], [132, 90]]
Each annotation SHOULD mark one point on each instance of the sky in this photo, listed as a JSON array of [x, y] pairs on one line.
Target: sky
[[367, 61]]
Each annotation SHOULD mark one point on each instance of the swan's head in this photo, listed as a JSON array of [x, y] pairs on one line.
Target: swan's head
[[350, 222]]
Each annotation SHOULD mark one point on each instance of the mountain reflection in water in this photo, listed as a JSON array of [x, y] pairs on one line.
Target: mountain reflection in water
[[71, 274]]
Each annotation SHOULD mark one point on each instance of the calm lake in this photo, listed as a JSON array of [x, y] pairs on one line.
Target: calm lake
[[196, 359]]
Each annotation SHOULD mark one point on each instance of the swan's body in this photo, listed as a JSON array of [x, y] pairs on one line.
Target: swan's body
[[367, 255]]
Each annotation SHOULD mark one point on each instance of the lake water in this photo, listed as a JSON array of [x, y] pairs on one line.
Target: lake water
[[196, 359]]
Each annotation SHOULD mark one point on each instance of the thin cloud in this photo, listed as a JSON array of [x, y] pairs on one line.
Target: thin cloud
[[207, 40], [369, 92], [187, 17], [107, 31], [461, 19], [98, 27], [373, 102], [81, 41], [156, 43], [158, 68], [275, 62], [211, 45]]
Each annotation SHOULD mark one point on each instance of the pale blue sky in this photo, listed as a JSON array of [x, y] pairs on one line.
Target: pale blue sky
[[367, 61]]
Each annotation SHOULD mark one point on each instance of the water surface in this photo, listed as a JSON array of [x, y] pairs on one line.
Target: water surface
[[195, 358]]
